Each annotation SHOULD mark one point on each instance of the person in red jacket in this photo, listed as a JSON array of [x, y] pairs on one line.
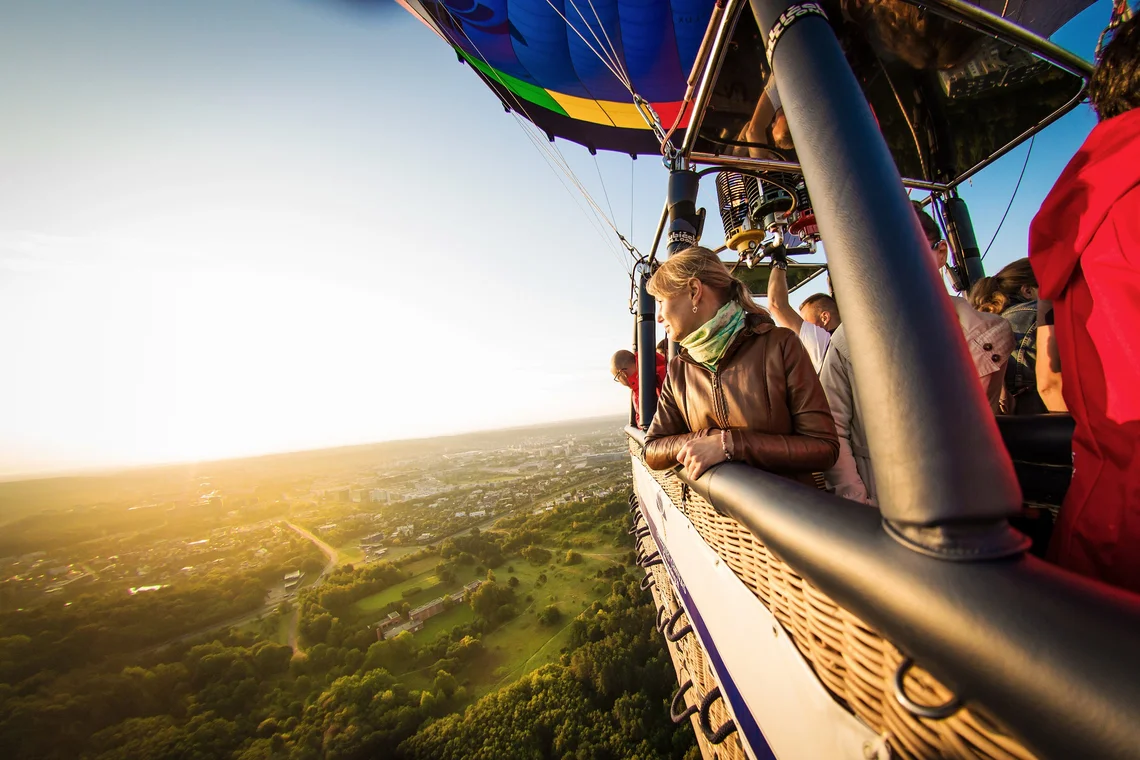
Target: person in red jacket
[[1084, 246], [623, 366]]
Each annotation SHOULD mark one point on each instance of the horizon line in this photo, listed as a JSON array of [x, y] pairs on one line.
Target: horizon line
[[108, 470]]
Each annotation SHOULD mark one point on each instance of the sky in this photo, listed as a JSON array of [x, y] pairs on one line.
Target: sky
[[237, 228]]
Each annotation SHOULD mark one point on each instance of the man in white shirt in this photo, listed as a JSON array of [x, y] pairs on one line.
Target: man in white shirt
[[989, 339], [816, 320]]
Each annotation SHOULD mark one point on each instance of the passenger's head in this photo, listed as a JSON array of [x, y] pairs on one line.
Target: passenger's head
[[623, 366], [663, 346], [1115, 85], [821, 310], [924, 40], [691, 287], [938, 247], [1015, 283]]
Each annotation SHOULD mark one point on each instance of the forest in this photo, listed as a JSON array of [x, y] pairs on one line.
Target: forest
[[599, 688]]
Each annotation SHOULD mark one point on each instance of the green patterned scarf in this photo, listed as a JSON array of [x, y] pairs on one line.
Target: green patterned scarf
[[707, 344]]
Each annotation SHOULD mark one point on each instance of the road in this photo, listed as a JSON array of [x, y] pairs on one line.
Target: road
[[274, 601], [295, 620]]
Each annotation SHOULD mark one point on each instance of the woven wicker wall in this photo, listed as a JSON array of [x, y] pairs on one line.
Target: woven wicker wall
[[691, 664], [854, 663]]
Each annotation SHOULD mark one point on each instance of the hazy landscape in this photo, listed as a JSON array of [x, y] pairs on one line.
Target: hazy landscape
[[467, 596]]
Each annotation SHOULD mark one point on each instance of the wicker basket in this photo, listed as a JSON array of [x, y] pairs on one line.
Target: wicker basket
[[854, 663], [691, 664]]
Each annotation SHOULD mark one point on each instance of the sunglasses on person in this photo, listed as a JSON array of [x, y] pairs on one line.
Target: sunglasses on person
[[621, 374]]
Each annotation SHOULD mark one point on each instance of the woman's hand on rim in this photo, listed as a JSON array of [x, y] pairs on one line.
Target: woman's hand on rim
[[699, 454]]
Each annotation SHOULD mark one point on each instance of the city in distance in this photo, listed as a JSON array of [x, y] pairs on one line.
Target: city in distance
[[465, 596]]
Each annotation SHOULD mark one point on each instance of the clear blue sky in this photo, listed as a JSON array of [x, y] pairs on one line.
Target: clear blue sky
[[236, 227]]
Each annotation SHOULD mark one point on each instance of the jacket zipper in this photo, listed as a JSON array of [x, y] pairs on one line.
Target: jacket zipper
[[720, 403]]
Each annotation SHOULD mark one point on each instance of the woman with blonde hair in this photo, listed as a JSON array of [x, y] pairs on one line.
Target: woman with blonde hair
[[740, 389]]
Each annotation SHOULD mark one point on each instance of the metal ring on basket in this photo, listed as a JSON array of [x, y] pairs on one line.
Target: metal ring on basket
[[634, 527], [633, 503], [658, 621], [652, 581], [676, 636], [650, 560], [643, 533], [930, 712], [679, 696], [722, 733]]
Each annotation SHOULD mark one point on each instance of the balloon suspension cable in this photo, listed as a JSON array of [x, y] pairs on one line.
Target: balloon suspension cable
[[613, 64], [668, 151], [1009, 205], [552, 155]]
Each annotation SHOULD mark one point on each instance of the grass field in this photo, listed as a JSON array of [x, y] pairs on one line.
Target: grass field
[[423, 577], [523, 644], [350, 553], [520, 644]]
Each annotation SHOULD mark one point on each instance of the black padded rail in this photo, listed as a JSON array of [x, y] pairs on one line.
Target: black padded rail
[[1038, 438], [1041, 447]]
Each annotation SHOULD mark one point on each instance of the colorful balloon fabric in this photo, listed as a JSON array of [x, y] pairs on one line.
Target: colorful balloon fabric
[[569, 65]]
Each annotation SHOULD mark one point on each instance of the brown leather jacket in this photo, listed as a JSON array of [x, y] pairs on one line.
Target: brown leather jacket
[[765, 393]]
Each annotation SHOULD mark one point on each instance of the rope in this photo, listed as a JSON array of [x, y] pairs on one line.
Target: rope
[[631, 188], [1028, 153], [613, 48], [603, 184], [585, 41], [543, 147]]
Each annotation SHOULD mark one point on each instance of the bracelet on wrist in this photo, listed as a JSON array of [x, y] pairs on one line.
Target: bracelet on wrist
[[724, 445]]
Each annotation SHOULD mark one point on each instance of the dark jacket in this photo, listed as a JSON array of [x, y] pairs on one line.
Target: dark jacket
[[1084, 246], [1021, 372], [765, 392]]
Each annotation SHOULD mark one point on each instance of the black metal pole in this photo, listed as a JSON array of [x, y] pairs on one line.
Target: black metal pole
[[939, 461], [633, 410], [686, 221], [960, 230], [646, 349]]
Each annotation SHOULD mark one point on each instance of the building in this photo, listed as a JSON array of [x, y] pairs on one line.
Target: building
[[293, 580], [425, 611], [387, 624], [379, 496], [404, 530], [326, 527], [423, 538], [411, 625], [602, 458], [479, 513], [463, 514]]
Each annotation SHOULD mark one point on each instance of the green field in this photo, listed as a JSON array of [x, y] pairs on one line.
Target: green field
[[350, 553], [522, 643]]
